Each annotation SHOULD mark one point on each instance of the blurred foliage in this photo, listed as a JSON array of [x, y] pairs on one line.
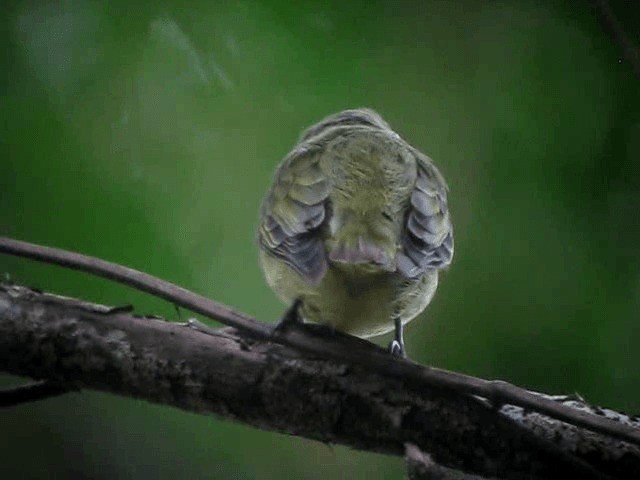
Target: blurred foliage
[[146, 132]]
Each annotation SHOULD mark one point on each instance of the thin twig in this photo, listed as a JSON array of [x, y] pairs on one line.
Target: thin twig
[[617, 32], [318, 342], [138, 280], [30, 392]]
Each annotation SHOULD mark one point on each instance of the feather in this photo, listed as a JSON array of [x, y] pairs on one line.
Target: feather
[[427, 241], [293, 214]]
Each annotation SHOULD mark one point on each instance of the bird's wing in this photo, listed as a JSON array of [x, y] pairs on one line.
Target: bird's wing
[[427, 241], [293, 214]]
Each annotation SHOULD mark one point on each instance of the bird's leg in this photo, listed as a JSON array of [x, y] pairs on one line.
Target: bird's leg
[[396, 347], [290, 317]]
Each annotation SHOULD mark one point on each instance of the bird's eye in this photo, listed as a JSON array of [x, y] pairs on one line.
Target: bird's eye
[[387, 215]]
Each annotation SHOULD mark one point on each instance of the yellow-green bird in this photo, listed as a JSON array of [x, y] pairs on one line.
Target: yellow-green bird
[[355, 227]]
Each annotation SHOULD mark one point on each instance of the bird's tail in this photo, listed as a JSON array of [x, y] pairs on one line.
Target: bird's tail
[[354, 245]]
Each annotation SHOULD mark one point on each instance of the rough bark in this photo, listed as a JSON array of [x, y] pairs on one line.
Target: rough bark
[[420, 466], [82, 345]]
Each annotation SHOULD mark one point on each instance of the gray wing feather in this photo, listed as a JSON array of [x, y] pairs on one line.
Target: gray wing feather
[[427, 242], [293, 214]]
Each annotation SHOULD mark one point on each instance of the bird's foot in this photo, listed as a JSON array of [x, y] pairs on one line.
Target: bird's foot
[[291, 317], [396, 347]]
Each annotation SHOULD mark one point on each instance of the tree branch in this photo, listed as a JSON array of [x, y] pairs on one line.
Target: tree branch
[[275, 387], [420, 466], [323, 345]]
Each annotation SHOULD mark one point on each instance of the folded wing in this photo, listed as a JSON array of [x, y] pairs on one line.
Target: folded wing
[[294, 212], [427, 241]]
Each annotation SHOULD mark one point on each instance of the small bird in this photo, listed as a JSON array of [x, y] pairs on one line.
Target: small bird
[[355, 227]]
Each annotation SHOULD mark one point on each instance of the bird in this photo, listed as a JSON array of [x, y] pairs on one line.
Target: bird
[[355, 228]]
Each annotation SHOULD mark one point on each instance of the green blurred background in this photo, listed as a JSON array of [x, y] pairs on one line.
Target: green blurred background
[[146, 133]]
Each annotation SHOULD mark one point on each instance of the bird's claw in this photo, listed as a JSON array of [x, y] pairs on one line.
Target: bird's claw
[[290, 317], [396, 349]]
